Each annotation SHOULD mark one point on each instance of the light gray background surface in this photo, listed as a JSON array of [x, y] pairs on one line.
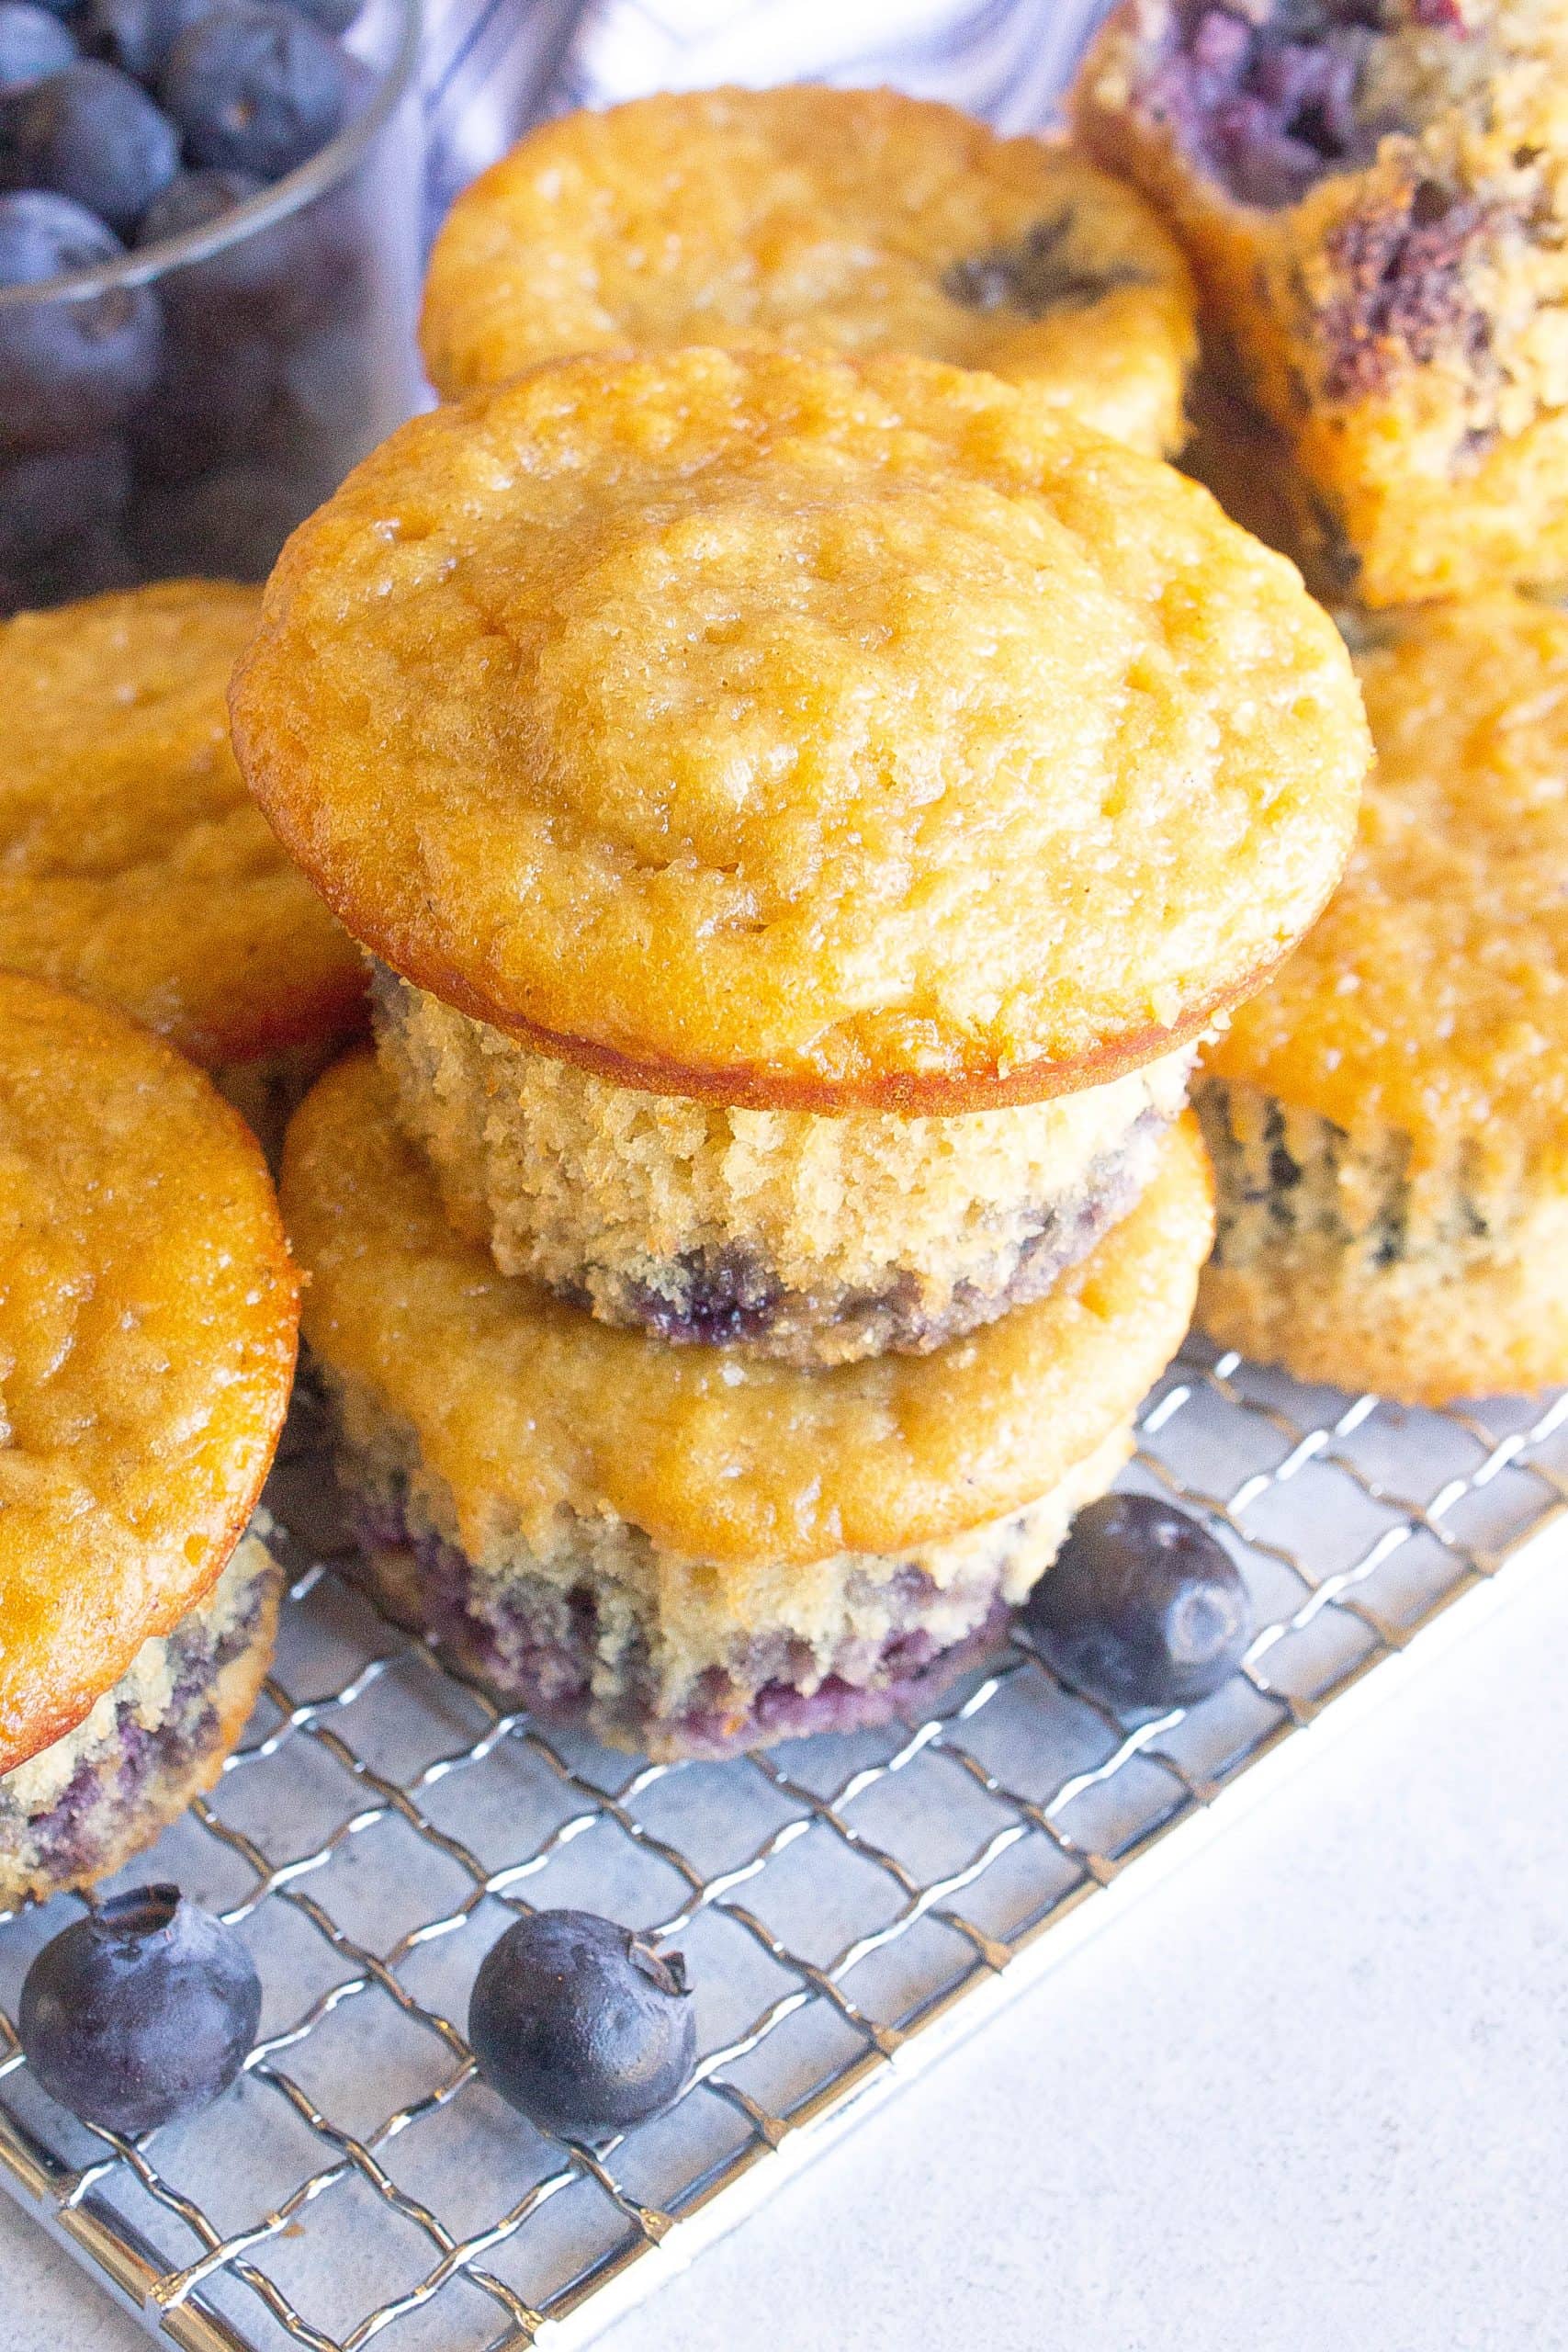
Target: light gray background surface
[[1311, 2095]]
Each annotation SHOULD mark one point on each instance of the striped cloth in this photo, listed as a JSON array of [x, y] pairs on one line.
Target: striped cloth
[[494, 67]]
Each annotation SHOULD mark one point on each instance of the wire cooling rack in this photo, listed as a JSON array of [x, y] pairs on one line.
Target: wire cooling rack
[[847, 1906]]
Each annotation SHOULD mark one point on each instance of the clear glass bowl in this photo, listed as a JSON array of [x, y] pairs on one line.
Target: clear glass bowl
[[179, 410]]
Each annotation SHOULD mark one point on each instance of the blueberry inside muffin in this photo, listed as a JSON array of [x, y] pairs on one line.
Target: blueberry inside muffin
[[1371, 195]]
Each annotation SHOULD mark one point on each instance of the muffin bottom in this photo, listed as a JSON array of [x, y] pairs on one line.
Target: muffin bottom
[[808, 1238], [1336, 1262], [574, 1636], [80, 1809]]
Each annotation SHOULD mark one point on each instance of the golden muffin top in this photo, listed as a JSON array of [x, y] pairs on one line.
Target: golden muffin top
[[148, 1309], [1433, 995], [800, 732], [855, 220], [527, 1408], [134, 866]]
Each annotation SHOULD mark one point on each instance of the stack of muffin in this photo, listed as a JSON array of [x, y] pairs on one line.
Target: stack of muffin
[[805, 806], [802, 810]]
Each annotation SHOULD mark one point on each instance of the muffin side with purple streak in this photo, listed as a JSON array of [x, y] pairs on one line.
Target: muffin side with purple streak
[[86, 1805], [696, 1549], [583, 1632]]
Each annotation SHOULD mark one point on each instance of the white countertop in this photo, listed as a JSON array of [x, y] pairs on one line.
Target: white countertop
[[1311, 2093]]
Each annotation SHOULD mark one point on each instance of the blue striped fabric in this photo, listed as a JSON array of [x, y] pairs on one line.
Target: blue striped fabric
[[494, 67]]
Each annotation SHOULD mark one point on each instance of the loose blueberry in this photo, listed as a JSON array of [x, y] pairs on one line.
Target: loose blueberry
[[70, 369], [1144, 1608], [138, 35], [33, 44], [91, 134], [141, 2013], [255, 87], [580, 2025]]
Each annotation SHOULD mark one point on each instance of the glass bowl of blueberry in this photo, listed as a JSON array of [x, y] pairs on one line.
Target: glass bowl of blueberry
[[209, 244]]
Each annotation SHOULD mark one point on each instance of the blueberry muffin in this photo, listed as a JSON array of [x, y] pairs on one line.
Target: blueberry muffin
[[854, 221], [812, 1239], [690, 1549], [1373, 198], [148, 1311], [134, 867], [1389, 1122], [801, 733], [806, 809]]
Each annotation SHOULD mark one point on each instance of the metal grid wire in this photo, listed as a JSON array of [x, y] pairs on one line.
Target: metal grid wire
[[836, 1899]]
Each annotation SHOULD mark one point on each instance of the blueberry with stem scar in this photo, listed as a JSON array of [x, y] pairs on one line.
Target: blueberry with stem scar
[[141, 2013], [257, 87]]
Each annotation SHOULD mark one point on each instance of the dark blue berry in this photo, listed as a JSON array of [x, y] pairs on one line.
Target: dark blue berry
[[1144, 1609], [332, 16], [275, 282], [70, 369], [32, 45], [195, 200], [231, 522], [138, 35], [141, 2013], [46, 500], [60, 517], [580, 2025], [91, 134], [208, 410], [255, 87]]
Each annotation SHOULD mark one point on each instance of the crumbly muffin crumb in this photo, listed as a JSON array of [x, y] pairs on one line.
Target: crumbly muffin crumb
[[1372, 201], [812, 1239]]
